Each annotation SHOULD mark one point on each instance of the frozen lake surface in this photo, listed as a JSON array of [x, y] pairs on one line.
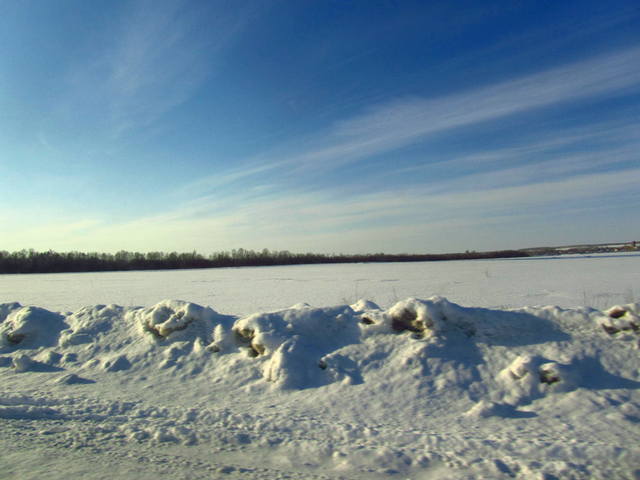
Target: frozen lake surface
[[597, 281]]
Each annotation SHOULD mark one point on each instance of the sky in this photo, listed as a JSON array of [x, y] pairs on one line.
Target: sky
[[330, 126]]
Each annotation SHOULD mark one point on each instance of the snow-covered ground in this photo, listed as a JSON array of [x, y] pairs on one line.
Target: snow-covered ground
[[419, 389], [596, 281]]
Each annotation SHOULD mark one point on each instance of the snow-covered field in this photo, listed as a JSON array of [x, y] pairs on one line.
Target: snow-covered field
[[486, 387], [596, 281]]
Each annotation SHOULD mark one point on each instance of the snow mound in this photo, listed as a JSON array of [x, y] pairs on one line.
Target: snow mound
[[295, 340], [73, 379], [90, 324], [529, 377], [176, 320], [301, 347], [621, 319], [116, 364], [22, 363], [7, 308], [364, 305], [508, 358], [438, 318], [29, 327], [433, 317]]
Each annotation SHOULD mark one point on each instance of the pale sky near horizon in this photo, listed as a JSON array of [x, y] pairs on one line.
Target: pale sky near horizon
[[325, 126]]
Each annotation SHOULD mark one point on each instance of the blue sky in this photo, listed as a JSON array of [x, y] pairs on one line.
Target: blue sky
[[326, 126]]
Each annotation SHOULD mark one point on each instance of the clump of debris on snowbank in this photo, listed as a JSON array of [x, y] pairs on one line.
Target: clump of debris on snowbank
[[502, 357]]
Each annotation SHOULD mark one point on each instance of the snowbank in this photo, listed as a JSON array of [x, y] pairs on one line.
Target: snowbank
[[296, 340], [28, 327], [175, 320], [303, 347], [382, 379]]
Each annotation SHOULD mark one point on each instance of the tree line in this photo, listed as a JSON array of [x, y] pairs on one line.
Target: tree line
[[31, 261]]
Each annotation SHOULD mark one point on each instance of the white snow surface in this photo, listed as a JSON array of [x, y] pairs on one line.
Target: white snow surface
[[421, 389], [596, 281]]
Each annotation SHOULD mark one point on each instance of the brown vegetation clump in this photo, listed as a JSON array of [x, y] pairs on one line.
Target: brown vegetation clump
[[15, 338], [617, 312], [245, 336], [161, 332], [408, 320], [549, 373], [620, 320]]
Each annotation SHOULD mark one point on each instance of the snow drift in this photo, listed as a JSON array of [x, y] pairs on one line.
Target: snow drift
[[303, 347], [414, 362]]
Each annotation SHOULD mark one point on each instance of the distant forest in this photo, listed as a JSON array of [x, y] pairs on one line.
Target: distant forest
[[30, 261]]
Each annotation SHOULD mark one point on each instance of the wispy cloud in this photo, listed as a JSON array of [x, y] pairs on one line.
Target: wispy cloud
[[159, 61], [377, 220], [398, 123], [595, 138], [403, 122], [153, 58], [553, 155], [520, 180], [535, 174]]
